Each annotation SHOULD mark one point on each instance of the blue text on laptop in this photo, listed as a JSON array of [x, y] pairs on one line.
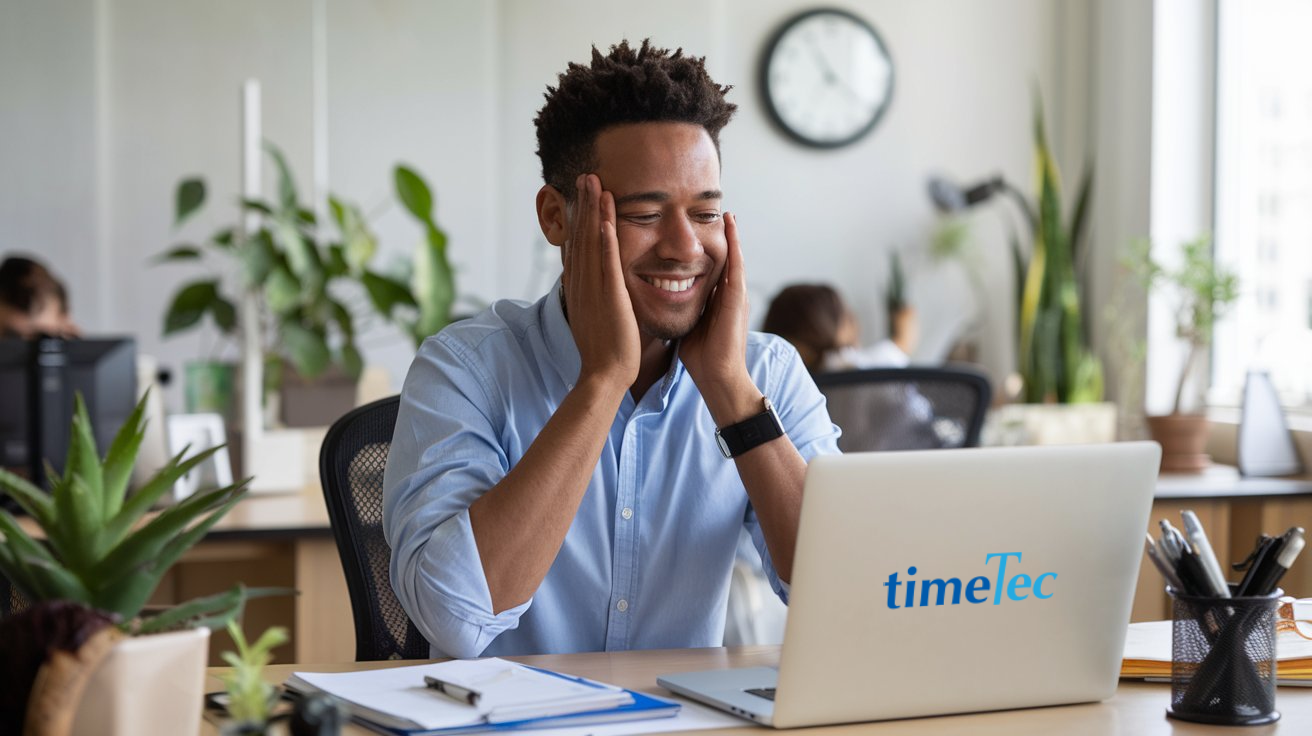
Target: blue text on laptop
[[1018, 587]]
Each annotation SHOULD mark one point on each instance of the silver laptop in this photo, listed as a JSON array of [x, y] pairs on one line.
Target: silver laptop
[[952, 581]]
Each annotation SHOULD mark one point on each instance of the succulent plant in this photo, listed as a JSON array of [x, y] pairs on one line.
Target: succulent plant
[[96, 548], [250, 697]]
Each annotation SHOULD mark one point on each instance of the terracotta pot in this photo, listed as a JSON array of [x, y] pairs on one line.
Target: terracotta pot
[[1183, 438]]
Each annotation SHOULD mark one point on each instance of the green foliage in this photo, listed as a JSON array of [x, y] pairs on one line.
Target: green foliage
[[1053, 357], [291, 268], [1202, 291], [896, 295], [250, 698], [96, 548]]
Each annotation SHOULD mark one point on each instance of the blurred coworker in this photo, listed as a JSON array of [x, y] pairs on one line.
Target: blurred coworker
[[32, 301]]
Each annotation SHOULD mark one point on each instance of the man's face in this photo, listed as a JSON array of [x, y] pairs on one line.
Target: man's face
[[666, 181]]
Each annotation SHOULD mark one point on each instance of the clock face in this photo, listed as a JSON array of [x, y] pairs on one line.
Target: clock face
[[827, 78]]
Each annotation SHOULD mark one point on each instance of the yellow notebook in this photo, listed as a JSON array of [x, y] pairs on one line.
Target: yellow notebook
[[1148, 652]]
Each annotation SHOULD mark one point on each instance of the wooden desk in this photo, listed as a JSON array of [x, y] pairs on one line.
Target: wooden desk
[[1234, 510], [1137, 709], [274, 539]]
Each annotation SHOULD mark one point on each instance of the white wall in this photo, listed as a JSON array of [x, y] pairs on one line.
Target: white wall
[[451, 87]]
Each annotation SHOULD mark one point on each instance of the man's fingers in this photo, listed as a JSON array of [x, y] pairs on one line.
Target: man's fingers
[[734, 276]]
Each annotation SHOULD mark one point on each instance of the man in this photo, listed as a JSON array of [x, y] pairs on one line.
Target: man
[[555, 482]]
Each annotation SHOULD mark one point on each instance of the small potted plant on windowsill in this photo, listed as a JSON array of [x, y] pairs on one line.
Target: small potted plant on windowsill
[[78, 659], [1202, 291]]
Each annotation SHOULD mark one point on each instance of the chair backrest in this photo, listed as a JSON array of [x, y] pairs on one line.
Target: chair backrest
[[906, 408], [351, 465]]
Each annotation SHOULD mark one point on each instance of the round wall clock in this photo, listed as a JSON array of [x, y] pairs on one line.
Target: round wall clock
[[827, 78]]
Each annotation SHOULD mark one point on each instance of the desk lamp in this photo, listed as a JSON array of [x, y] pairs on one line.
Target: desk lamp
[[950, 197]]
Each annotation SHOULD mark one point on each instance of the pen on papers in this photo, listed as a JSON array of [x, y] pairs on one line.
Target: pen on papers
[[1202, 549], [463, 694]]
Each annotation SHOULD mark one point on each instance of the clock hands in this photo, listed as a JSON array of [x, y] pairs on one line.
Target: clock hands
[[831, 78]]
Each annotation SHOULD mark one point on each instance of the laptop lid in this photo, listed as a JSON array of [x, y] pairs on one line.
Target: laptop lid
[[962, 580]]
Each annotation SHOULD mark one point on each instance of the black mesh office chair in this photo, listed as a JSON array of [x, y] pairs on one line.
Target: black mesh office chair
[[906, 408], [351, 464]]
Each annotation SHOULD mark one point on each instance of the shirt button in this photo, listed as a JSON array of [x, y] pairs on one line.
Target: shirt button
[[622, 606], [627, 514]]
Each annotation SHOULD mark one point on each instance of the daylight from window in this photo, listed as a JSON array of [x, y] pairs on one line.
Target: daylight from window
[[1264, 195]]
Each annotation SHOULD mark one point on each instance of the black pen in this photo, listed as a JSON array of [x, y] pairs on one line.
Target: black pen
[[463, 694], [1284, 559], [1257, 560]]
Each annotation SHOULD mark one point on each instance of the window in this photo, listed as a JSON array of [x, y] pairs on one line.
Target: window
[[1264, 196]]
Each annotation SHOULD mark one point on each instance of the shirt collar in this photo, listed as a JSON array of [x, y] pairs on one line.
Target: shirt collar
[[565, 352]]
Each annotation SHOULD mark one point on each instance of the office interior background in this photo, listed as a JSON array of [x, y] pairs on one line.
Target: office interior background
[[105, 105]]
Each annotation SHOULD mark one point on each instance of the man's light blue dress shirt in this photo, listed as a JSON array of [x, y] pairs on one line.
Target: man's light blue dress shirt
[[646, 562]]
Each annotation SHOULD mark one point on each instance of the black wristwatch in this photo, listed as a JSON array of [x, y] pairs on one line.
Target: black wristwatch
[[736, 439]]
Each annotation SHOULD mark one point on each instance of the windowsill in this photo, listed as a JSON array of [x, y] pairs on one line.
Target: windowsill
[[1221, 442]]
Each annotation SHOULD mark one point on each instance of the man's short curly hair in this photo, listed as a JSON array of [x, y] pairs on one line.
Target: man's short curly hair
[[628, 85]]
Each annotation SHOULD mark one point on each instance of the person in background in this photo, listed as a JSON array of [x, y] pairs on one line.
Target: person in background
[[32, 301], [814, 318]]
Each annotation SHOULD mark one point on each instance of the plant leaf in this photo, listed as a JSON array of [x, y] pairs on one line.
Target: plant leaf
[[386, 293], [189, 305], [189, 197], [307, 348], [258, 205], [34, 501], [178, 615], [179, 253], [282, 292], [225, 315], [351, 361], [146, 496], [434, 285], [414, 193], [258, 258], [286, 185], [121, 457]]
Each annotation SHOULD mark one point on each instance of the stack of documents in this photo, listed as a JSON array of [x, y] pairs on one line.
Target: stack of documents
[[1148, 654], [478, 695]]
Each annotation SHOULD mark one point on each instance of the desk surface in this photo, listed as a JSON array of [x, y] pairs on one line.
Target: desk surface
[[1137, 709]]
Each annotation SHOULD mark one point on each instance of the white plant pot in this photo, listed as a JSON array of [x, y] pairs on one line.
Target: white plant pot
[[1050, 424], [147, 686]]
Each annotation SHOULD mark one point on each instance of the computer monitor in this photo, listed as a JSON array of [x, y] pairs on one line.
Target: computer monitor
[[38, 380]]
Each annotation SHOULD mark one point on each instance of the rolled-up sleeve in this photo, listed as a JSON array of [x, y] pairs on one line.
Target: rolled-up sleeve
[[445, 454], [803, 412]]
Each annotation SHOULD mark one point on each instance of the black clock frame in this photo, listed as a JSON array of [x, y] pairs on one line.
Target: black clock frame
[[763, 79]]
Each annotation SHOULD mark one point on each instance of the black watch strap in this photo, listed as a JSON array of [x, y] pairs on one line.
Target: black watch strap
[[736, 439]]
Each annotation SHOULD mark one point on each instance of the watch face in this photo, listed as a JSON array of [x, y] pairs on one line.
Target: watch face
[[827, 78]]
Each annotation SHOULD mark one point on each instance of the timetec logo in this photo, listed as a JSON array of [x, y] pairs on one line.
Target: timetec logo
[[1018, 587]]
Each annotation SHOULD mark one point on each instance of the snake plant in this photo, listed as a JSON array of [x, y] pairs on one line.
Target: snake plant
[[1054, 356], [96, 546]]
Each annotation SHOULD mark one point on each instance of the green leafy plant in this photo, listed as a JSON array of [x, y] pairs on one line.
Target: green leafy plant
[[250, 698], [291, 267], [1053, 356], [96, 548], [1203, 291]]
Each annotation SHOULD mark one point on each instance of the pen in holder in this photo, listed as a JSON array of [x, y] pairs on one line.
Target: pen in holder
[[1223, 659]]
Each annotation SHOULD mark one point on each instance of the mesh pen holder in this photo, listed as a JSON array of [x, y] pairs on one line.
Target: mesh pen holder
[[1223, 659]]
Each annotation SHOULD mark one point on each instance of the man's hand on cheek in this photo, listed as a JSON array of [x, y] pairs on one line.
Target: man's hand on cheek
[[596, 299], [715, 351]]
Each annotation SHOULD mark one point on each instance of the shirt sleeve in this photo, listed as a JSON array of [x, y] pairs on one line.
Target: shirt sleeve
[[445, 454], [805, 417]]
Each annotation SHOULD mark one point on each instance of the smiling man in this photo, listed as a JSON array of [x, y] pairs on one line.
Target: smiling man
[[573, 474]]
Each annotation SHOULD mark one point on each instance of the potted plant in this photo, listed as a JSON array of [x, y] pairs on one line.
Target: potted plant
[[1201, 290], [250, 698], [81, 648], [903, 325], [301, 281]]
